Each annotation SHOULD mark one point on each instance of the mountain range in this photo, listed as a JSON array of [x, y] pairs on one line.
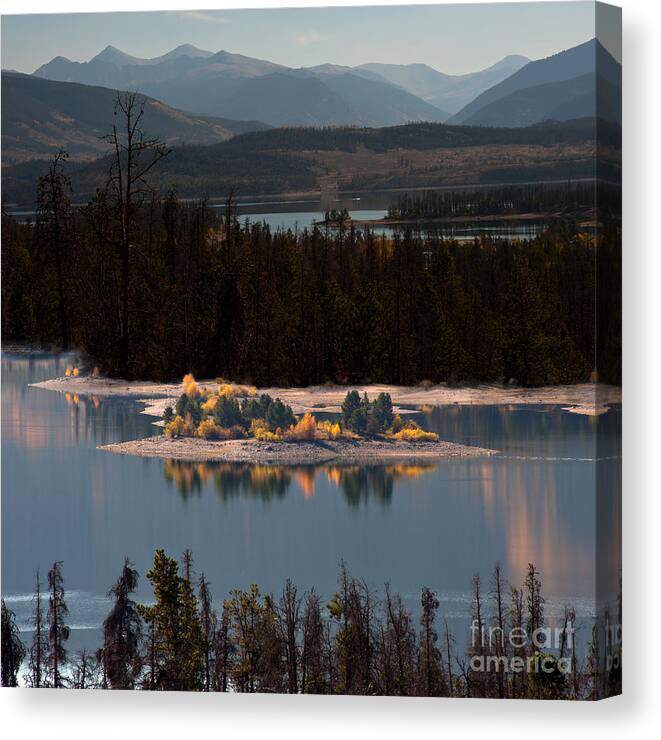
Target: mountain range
[[240, 87], [39, 117], [199, 97], [582, 81]]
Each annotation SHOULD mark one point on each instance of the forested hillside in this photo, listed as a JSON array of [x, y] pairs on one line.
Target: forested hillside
[[416, 155]]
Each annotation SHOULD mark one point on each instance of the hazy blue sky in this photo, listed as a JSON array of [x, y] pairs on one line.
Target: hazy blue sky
[[451, 38]]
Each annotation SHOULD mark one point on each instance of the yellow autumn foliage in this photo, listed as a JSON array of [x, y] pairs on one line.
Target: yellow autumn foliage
[[330, 429], [208, 429], [210, 404], [175, 427], [415, 435], [190, 387], [259, 430]]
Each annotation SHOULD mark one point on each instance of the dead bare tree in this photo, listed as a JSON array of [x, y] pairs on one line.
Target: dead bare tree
[[54, 216], [36, 675], [134, 155], [289, 619]]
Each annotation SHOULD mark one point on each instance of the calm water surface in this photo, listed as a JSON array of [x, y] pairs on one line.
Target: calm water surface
[[414, 525], [298, 214]]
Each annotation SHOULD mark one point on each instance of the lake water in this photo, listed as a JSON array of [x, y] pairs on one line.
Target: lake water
[[414, 525], [301, 213]]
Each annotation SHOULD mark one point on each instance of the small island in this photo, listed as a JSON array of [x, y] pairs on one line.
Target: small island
[[235, 424]]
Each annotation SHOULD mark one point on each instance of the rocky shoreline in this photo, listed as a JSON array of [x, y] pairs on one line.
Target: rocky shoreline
[[292, 453]]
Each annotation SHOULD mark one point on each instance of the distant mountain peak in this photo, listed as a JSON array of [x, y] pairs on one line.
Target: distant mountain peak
[[561, 85], [113, 55], [186, 50], [182, 48], [511, 60]]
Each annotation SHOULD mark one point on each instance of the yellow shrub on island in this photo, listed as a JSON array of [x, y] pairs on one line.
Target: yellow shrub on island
[[243, 391], [305, 428], [174, 428], [208, 429], [225, 389], [410, 434], [259, 430], [190, 387], [330, 429], [210, 404]]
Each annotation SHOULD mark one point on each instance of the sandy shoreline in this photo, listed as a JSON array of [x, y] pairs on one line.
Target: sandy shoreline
[[292, 453], [586, 398]]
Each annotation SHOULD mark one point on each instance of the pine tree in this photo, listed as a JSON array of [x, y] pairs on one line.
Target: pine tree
[[58, 631], [431, 681], [11, 649], [208, 625], [122, 633], [175, 645]]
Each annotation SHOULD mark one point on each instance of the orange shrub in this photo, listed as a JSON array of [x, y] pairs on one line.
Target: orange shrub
[[305, 428]]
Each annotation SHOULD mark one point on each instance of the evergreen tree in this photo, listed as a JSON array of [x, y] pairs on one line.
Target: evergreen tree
[[430, 678], [11, 649], [313, 670], [350, 405], [122, 633], [58, 631], [175, 646], [208, 625]]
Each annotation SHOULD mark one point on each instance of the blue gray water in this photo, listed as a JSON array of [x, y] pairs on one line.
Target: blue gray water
[[413, 525]]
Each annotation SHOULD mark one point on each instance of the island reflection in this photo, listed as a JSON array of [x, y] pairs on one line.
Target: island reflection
[[358, 483]]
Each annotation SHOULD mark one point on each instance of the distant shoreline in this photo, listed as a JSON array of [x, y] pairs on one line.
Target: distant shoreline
[[424, 220], [315, 194], [588, 399]]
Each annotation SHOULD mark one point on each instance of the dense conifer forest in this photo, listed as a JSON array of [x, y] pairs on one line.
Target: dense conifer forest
[[210, 295], [359, 641], [151, 287], [571, 200]]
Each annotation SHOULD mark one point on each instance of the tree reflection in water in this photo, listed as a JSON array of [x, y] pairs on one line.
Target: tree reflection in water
[[358, 483]]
